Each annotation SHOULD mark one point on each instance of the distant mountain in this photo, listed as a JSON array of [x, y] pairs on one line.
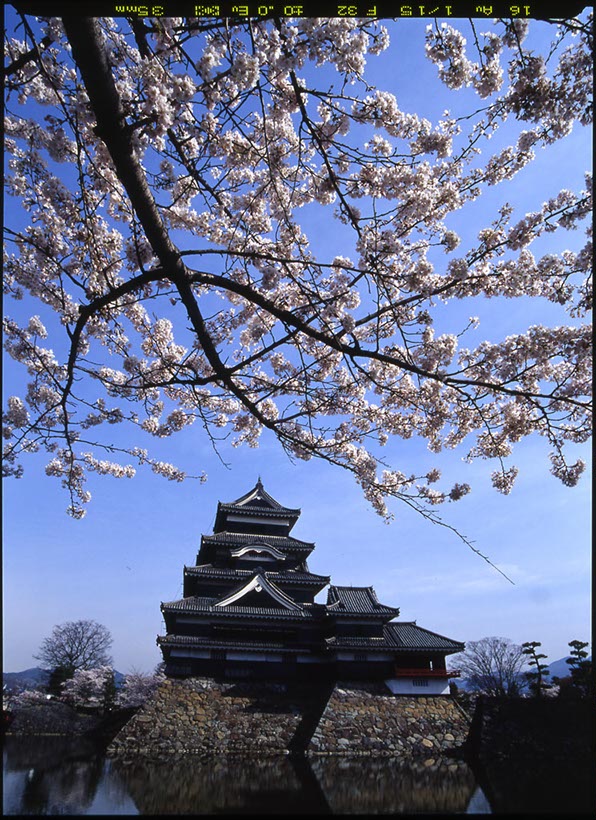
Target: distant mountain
[[37, 677], [560, 668], [27, 679]]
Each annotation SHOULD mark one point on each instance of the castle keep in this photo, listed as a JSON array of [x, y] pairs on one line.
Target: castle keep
[[256, 666], [248, 613]]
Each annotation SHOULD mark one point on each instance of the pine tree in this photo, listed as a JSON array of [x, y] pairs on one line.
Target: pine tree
[[536, 683], [580, 668]]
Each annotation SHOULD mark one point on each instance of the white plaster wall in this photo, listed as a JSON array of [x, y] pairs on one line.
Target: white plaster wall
[[405, 686]]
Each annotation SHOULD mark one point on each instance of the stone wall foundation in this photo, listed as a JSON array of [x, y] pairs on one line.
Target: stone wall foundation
[[365, 718], [202, 716]]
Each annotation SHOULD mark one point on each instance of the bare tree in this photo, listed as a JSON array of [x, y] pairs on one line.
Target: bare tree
[[76, 645], [492, 665]]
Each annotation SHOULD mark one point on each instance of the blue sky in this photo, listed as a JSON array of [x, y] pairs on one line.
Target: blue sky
[[127, 555]]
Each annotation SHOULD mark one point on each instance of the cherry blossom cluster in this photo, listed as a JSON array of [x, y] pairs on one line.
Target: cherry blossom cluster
[[24, 699], [89, 687], [162, 170], [137, 688], [93, 688]]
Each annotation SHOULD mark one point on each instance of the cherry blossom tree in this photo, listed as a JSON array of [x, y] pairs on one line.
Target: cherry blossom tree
[[24, 699], [137, 687], [90, 687], [168, 169]]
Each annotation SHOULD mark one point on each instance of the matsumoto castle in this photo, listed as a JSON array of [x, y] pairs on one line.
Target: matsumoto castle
[[248, 612]]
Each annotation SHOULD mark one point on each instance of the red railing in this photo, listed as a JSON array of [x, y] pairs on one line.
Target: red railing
[[426, 673]]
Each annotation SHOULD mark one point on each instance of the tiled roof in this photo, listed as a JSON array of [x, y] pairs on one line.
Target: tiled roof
[[253, 510], [219, 643], [258, 498], [405, 636], [282, 542], [256, 504], [197, 604], [356, 600], [357, 642], [227, 573]]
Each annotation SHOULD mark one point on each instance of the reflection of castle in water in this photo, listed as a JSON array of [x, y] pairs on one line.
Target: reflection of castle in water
[[384, 785], [61, 776], [328, 785]]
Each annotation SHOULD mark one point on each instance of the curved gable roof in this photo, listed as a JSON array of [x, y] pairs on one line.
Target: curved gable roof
[[258, 547], [259, 498], [258, 583]]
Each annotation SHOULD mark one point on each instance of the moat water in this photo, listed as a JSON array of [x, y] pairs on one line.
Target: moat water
[[51, 775]]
